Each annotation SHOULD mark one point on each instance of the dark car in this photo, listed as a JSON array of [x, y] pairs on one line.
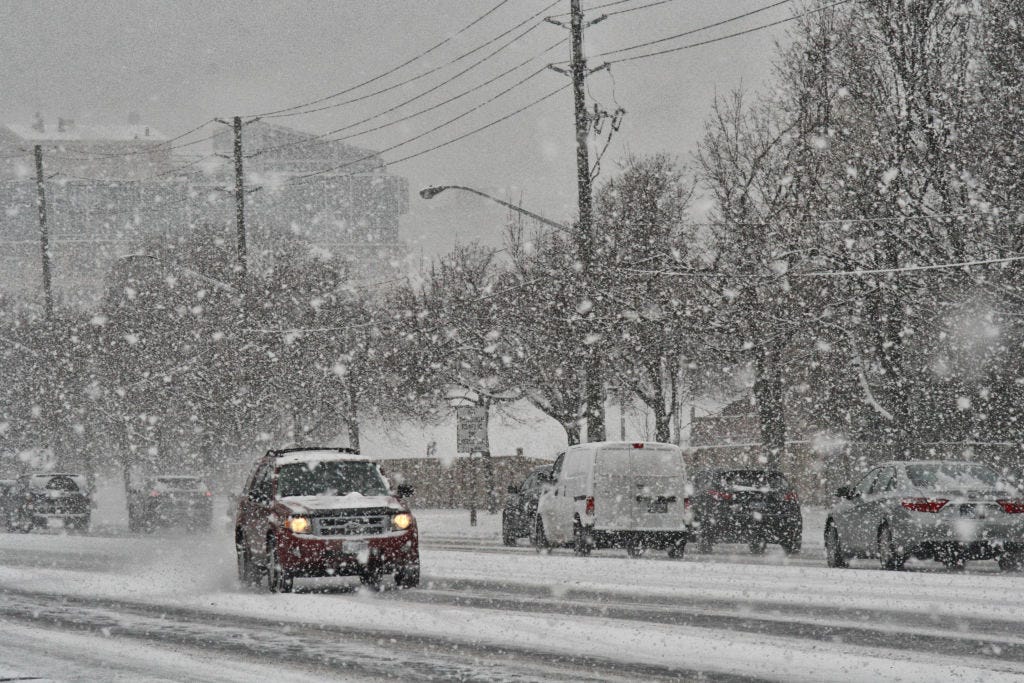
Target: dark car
[[315, 512], [54, 501], [751, 506], [946, 510], [166, 501], [7, 504], [517, 519]]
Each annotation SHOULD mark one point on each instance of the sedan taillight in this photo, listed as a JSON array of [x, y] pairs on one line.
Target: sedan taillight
[[589, 509], [924, 504], [1014, 507], [720, 495]]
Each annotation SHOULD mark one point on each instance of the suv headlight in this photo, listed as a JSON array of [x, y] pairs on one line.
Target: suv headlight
[[298, 525], [402, 521]]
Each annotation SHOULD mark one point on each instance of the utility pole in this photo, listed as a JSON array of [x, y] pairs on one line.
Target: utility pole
[[593, 389], [44, 240], [240, 197]]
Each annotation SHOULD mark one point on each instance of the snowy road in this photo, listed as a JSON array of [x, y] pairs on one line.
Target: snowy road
[[169, 607]]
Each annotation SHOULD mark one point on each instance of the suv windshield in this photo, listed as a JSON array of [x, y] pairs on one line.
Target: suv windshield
[[955, 475], [330, 478]]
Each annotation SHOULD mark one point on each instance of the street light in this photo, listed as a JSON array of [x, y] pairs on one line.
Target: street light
[[434, 190]]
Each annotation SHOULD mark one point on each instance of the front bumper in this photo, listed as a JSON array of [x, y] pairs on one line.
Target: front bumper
[[312, 556]]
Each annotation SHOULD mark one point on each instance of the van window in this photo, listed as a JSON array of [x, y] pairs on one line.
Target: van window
[[613, 462], [556, 469], [668, 462]]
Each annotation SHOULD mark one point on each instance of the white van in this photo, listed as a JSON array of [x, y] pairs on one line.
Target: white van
[[616, 494]]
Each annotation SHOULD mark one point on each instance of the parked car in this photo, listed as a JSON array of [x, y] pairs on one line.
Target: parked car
[[517, 519], [7, 504], [950, 511], [615, 494], [171, 500], [752, 506], [309, 512], [51, 500]]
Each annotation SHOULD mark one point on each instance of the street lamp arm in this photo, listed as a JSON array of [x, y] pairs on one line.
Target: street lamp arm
[[434, 190]]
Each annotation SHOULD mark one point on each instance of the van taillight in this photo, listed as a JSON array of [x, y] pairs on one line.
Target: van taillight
[[589, 509], [686, 503]]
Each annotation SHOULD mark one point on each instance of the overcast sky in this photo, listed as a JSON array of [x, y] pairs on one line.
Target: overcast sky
[[181, 63]]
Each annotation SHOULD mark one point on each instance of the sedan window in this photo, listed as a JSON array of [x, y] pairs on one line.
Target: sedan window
[[955, 475], [864, 486]]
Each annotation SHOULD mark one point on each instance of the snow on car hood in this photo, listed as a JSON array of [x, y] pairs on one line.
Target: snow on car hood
[[348, 501]]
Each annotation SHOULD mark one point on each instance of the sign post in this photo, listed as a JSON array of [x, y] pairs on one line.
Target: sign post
[[471, 437]]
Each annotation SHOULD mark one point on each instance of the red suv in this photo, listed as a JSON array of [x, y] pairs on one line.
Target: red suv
[[308, 512]]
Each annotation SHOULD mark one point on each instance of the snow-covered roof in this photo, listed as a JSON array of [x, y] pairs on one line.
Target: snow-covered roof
[[86, 132], [317, 456]]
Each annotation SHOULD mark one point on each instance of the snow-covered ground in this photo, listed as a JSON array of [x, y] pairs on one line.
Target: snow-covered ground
[[486, 612]]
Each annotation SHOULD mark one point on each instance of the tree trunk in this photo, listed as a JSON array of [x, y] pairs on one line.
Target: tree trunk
[[662, 422], [572, 433], [770, 406], [352, 417]]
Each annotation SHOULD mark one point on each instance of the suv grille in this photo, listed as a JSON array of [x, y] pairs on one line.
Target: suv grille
[[352, 522]]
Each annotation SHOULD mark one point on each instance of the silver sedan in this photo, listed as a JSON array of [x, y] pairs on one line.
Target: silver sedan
[[950, 511]]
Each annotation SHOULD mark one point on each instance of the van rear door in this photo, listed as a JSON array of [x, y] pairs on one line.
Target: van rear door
[[613, 488], [659, 487]]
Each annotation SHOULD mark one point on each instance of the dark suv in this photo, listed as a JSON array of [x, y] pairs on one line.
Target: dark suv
[[170, 501], [55, 501], [315, 512], [517, 519], [750, 506]]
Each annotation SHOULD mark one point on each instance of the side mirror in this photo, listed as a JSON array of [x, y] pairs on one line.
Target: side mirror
[[847, 492], [404, 491], [512, 488]]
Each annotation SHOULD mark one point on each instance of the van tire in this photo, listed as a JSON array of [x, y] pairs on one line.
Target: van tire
[[582, 541], [539, 538]]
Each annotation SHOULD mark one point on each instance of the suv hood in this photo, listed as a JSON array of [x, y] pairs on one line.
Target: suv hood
[[351, 501]]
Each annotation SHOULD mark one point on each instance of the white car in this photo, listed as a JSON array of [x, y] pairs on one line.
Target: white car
[[616, 494]]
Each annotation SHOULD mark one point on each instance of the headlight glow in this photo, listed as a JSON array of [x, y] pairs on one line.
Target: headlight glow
[[402, 520], [298, 525]]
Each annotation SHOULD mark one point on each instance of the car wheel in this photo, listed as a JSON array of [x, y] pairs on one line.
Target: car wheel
[[705, 542], [792, 545], [889, 556], [952, 558], [1011, 561], [507, 536], [248, 574], [582, 541], [677, 549], [757, 545], [540, 539], [408, 576], [834, 555], [636, 548], [278, 580], [372, 579]]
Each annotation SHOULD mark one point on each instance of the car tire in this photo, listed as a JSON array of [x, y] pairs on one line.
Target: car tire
[[705, 542], [757, 545], [677, 549], [952, 558], [889, 556], [408, 576], [834, 555], [1011, 561], [372, 580], [793, 544], [507, 537], [636, 548], [539, 538], [278, 580], [248, 574], [582, 541]]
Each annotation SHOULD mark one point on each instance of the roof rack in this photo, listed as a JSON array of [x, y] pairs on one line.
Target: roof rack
[[278, 452]]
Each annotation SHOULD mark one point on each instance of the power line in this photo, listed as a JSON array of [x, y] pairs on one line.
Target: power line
[[720, 38], [413, 99], [299, 110], [300, 178], [636, 9]]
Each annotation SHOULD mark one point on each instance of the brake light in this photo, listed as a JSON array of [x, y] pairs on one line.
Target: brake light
[[154, 494], [208, 494], [686, 503], [1014, 507], [639, 444], [791, 497], [924, 504], [589, 509], [720, 495]]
